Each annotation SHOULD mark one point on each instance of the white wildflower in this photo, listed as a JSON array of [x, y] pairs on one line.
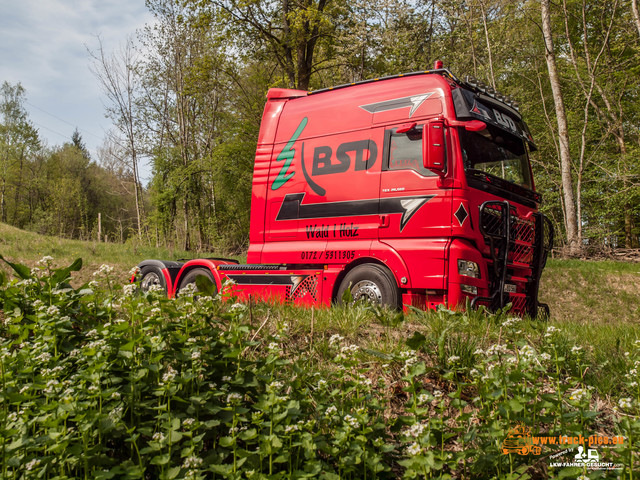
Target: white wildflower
[[226, 378], [32, 464], [575, 349], [234, 397], [134, 271], [625, 403], [414, 449], [43, 357], [551, 330], [579, 394], [195, 355], [187, 422], [416, 430], [103, 270], [192, 462], [510, 321], [335, 339], [527, 352], [169, 375], [453, 359], [158, 437], [129, 290], [290, 428], [353, 423], [45, 261], [497, 349], [276, 385], [332, 410], [53, 311]]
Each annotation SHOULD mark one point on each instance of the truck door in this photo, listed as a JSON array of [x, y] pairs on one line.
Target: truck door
[[414, 212]]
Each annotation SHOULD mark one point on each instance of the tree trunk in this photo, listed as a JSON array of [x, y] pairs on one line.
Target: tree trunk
[[636, 16], [486, 36], [571, 220]]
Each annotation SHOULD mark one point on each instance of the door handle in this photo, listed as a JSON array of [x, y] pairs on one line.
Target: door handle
[[384, 220]]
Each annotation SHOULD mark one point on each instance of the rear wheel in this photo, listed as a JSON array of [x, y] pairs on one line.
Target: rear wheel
[[371, 283], [190, 277], [152, 276]]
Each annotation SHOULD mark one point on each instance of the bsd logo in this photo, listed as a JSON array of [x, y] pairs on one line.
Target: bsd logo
[[364, 154], [359, 155]]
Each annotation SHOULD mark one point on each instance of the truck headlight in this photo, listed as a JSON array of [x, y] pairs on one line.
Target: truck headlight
[[468, 268]]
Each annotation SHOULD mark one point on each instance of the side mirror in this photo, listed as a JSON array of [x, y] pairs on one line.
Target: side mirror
[[433, 147], [475, 126]]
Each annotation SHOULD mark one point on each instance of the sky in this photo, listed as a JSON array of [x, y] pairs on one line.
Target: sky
[[43, 45]]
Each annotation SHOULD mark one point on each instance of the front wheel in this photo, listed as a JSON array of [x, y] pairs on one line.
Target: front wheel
[[190, 277], [371, 283]]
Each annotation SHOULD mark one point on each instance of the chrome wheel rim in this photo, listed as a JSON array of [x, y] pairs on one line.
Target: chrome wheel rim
[[366, 290], [150, 279]]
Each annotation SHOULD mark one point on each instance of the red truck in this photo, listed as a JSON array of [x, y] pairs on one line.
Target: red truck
[[414, 189]]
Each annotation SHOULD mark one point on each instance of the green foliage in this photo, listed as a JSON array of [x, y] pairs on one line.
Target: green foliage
[[103, 382]]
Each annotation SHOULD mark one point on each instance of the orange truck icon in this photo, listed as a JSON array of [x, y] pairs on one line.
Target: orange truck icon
[[519, 441]]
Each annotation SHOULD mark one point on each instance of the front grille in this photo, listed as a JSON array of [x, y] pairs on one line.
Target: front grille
[[516, 250]]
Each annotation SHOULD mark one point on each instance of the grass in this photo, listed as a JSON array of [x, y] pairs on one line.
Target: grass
[[28, 247], [103, 383]]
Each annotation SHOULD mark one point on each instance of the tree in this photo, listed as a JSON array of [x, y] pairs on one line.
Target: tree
[[288, 30], [18, 139], [571, 219], [117, 76]]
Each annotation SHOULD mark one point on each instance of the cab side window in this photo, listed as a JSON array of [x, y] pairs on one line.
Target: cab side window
[[403, 151]]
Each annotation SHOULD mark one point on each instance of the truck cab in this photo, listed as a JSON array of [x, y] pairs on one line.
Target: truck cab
[[414, 189]]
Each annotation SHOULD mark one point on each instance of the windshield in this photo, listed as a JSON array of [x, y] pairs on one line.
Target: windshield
[[496, 152]]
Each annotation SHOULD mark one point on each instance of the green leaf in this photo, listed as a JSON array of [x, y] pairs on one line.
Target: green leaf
[[205, 285], [160, 459], [23, 271], [172, 473], [515, 405], [226, 441], [416, 341], [347, 298], [248, 434]]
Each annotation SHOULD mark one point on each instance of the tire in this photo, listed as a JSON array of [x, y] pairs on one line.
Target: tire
[[151, 275], [372, 283], [190, 277]]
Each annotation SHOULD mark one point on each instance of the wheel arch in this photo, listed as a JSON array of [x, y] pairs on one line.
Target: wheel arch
[[211, 265], [168, 268]]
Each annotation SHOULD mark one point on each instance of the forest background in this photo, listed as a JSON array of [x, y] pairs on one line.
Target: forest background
[[186, 95]]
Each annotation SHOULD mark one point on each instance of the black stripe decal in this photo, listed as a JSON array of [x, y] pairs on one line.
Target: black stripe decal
[[293, 209], [262, 279]]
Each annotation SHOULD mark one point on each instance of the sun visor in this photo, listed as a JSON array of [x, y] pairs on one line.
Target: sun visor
[[478, 106]]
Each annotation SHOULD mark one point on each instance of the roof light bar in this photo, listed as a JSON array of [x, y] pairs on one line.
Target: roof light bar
[[488, 90]]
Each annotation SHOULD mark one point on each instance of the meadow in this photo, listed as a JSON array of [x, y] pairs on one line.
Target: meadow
[[100, 381]]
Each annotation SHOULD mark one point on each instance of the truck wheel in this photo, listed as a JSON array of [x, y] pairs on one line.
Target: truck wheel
[[371, 283], [150, 276], [191, 277]]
